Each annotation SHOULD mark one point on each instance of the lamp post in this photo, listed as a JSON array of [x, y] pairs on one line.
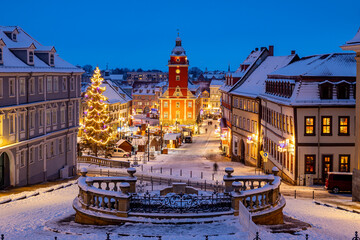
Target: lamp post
[[161, 137], [120, 120], [148, 132]]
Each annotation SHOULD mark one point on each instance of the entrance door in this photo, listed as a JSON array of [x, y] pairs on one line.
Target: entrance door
[[327, 163], [4, 171], [242, 151]]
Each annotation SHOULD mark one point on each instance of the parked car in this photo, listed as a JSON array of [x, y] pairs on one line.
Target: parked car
[[118, 152], [338, 181], [188, 139]]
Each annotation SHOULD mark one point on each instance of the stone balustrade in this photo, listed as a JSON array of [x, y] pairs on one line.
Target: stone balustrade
[[103, 161], [95, 195], [263, 192]]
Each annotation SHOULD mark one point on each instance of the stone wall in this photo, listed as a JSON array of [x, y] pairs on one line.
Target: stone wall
[[356, 185]]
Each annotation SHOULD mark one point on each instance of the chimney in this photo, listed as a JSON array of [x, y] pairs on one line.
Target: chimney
[[256, 49], [271, 50], [293, 52]]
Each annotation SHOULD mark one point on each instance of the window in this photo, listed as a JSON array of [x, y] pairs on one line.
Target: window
[[49, 84], [13, 36], [56, 84], [31, 57], [326, 126], [1, 55], [41, 117], [32, 119], [31, 155], [22, 86], [189, 115], [326, 91], [52, 61], [22, 122], [310, 164], [343, 91], [41, 84], [54, 116], [177, 114], [62, 115], [22, 159], [48, 117], [177, 78], [344, 165], [64, 84], [52, 152], [166, 115], [70, 114], [12, 87], [32, 86], [1, 88], [190, 104], [40, 152], [72, 84], [177, 104], [344, 126], [309, 126], [12, 123], [61, 150]]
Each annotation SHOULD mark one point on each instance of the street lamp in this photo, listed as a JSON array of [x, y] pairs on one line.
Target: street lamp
[[148, 132], [120, 120], [161, 137]]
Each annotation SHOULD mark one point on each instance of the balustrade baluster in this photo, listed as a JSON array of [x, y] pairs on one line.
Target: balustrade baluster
[[257, 200], [100, 185], [259, 182], [115, 186], [103, 201], [251, 202], [97, 201], [252, 184], [116, 204], [92, 200], [109, 203], [107, 186]]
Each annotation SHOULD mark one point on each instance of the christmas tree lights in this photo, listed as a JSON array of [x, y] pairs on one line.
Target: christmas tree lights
[[97, 132]]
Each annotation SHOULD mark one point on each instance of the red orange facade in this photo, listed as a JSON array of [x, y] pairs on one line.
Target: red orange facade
[[178, 104]]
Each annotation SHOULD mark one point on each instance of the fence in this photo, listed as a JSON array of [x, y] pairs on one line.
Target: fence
[[103, 162]]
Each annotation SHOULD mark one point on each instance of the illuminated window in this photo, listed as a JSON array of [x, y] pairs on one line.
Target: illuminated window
[[177, 104], [166, 115], [310, 164], [309, 126], [326, 126], [189, 104], [343, 126], [177, 114], [189, 115], [166, 104], [344, 165]]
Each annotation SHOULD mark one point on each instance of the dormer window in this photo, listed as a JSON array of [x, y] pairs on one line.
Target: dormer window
[[14, 36], [343, 91], [1, 55], [31, 57], [52, 59], [326, 91]]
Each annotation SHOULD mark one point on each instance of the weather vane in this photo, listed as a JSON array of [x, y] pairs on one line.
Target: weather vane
[[177, 31]]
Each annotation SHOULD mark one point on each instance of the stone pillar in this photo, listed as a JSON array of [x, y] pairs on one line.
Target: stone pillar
[[132, 179], [228, 179]]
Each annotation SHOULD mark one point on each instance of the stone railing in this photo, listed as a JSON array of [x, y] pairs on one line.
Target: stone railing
[[107, 195], [103, 161], [263, 191]]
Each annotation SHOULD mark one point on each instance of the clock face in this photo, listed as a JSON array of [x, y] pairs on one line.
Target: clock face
[[177, 71]]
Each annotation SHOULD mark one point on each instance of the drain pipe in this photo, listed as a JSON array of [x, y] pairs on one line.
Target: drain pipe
[[27, 125]]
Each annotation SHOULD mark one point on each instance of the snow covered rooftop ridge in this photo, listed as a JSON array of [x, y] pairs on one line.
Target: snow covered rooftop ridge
[[255, 83], [112, 94], [14, 39], [324, 65], [217, 83]]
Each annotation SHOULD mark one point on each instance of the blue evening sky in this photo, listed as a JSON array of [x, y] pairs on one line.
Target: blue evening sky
[[141, 33]]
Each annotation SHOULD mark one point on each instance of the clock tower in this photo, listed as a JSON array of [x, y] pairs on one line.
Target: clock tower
[[178, 104]]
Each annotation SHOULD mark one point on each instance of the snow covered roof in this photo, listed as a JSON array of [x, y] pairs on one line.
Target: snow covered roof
[[324, 65], [11, 63], [356, 39], [124, 94], [116, 76], [178, 50], [112, 95], [255, 83], [217, 83], [144, 89]]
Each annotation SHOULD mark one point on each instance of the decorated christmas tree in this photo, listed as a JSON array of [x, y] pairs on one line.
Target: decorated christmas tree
[[97, 132]]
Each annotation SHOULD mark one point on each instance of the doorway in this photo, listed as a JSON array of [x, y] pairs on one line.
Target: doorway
[[242, 151], [327, 165], [4, 171]]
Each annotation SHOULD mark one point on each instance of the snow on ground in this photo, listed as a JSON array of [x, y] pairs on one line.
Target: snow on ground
[[26, 219]]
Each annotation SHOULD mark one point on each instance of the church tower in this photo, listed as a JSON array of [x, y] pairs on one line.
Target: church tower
[[178, 105]]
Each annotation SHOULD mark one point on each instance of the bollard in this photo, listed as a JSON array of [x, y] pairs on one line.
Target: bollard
[[161, 170], [142, 168], [180, 172], [170, 171], [213, 176], [201, 175], [295, 194], [151, 169], [313, 195], [205, 185], [190, 174]]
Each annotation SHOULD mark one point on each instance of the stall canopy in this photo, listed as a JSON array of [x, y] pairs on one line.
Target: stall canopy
[[172, 136]]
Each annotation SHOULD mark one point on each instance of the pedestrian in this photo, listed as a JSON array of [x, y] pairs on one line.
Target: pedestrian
[[216, 166]]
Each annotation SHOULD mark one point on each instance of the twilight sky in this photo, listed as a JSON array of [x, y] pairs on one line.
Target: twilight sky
[[141, 33]]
